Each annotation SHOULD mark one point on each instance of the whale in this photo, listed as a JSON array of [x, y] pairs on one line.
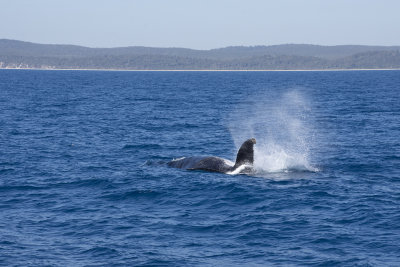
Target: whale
[[243, 163]]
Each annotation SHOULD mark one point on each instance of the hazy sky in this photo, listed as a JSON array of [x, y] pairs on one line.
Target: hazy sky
[[201, 24]]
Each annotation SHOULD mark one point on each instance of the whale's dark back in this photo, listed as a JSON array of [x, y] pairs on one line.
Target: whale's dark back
[[245, 155], [212, 164], [185, 163]]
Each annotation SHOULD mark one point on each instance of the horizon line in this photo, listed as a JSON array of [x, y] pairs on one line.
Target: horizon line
[[205, 70]]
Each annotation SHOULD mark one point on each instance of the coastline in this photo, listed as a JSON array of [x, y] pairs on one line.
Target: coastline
[[200, 70]]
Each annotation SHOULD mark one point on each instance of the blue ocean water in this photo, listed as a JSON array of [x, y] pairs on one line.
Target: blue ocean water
[[84, 180]]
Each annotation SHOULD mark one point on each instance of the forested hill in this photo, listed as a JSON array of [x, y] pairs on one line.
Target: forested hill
[[18, 54]]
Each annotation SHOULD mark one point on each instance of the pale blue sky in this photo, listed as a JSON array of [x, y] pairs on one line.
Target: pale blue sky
[[201, 24]]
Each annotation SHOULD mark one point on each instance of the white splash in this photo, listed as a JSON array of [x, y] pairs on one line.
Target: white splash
[[272, 158], [178, 159], [228, 162], [283, 130], [239, 169]]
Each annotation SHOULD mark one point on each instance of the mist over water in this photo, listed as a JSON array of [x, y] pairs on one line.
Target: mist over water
[[283, 126]]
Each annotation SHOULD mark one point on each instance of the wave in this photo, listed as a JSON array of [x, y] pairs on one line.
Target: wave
[[142, 146], [133, 194], [157, 162]]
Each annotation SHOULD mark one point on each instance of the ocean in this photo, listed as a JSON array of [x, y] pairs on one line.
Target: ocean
[[84, 179]]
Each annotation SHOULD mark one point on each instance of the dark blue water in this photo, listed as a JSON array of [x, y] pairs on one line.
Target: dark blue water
[[84, 180]]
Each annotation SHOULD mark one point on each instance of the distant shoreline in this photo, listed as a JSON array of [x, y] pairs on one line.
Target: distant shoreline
[[205, 70], [290, 57]]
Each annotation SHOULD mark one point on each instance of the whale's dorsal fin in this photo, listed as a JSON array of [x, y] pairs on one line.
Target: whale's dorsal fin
[[245, 154]]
